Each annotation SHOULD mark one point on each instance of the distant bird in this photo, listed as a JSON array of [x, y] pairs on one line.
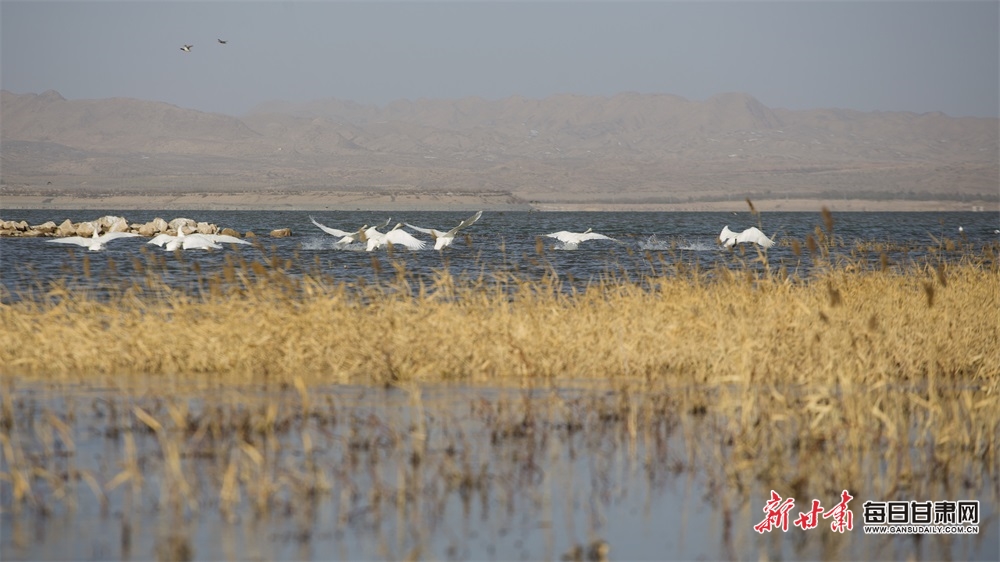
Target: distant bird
[[222, 41], [395, 237], [752, 234], [444, 239], [96, 242], [187, 48], [571, 240]]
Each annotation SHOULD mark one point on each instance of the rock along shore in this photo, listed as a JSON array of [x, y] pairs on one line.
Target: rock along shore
[[110, 223]]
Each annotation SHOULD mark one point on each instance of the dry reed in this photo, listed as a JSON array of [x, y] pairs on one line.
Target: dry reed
[[841, 327]]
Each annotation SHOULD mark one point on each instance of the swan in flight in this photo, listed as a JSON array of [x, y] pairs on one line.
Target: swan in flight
[[345, 237], [187, 48], [395, 237], [96, 242], [752, 234], [360, 235], [444, 239], [571, 240], [194, 241]]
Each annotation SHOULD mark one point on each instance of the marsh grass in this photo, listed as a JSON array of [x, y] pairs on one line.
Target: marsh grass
[[881, 378], [847, 323]]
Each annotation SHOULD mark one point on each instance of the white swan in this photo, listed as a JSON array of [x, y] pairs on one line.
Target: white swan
[[752, 234], [194, 241], [187, 48], [444, 239], [349, 237], [96, 242], [395, 237], [571, 240]]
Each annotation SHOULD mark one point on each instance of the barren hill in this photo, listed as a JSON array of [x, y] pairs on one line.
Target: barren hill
[[640, 148]]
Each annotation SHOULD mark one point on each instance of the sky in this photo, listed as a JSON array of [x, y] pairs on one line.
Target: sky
[[894, 55]]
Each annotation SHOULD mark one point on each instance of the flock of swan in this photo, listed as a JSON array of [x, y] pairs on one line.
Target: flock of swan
[[169, 242], [371, 238], [184, 241]]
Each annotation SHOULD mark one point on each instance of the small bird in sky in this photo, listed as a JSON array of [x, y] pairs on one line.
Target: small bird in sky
[[187, 48], [222, 41]]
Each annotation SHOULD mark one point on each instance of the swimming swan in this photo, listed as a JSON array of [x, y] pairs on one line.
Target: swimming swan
[[571, 240], [752, 234], [96, 242], [444, 239], [395, 237]]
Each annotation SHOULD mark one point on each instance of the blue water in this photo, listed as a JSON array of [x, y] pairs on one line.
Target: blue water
[[500, 241]]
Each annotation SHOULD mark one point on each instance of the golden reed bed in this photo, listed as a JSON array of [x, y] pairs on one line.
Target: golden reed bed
[[843, 326]]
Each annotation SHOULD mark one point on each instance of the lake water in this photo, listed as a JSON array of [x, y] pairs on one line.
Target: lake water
[[504, 241], [487, 485]]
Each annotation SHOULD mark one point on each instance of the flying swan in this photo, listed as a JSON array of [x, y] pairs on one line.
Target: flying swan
[[395, 237], [444, 239], [752, 234], [194, 241], [349, 237], [96, 242], [571, 240]]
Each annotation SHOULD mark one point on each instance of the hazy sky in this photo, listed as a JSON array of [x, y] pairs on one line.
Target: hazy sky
[[890, 55]]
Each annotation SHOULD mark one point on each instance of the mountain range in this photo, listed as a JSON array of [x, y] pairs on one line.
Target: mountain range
[[628, 147]]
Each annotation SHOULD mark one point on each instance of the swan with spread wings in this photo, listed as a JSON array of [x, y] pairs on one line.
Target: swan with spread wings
[[96, 242], [443, 239], [572, 240], [752, 234]]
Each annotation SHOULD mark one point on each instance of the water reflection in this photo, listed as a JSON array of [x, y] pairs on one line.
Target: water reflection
[[445, 472]]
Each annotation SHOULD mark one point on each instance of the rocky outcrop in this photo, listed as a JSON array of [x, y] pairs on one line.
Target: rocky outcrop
[[112, 223], [67, 228], [177, 223]]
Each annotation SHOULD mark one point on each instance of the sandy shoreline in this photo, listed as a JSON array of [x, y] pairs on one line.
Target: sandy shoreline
[[327, 201]]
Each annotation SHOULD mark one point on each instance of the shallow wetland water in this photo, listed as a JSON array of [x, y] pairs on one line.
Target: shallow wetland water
[[441, 472]]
